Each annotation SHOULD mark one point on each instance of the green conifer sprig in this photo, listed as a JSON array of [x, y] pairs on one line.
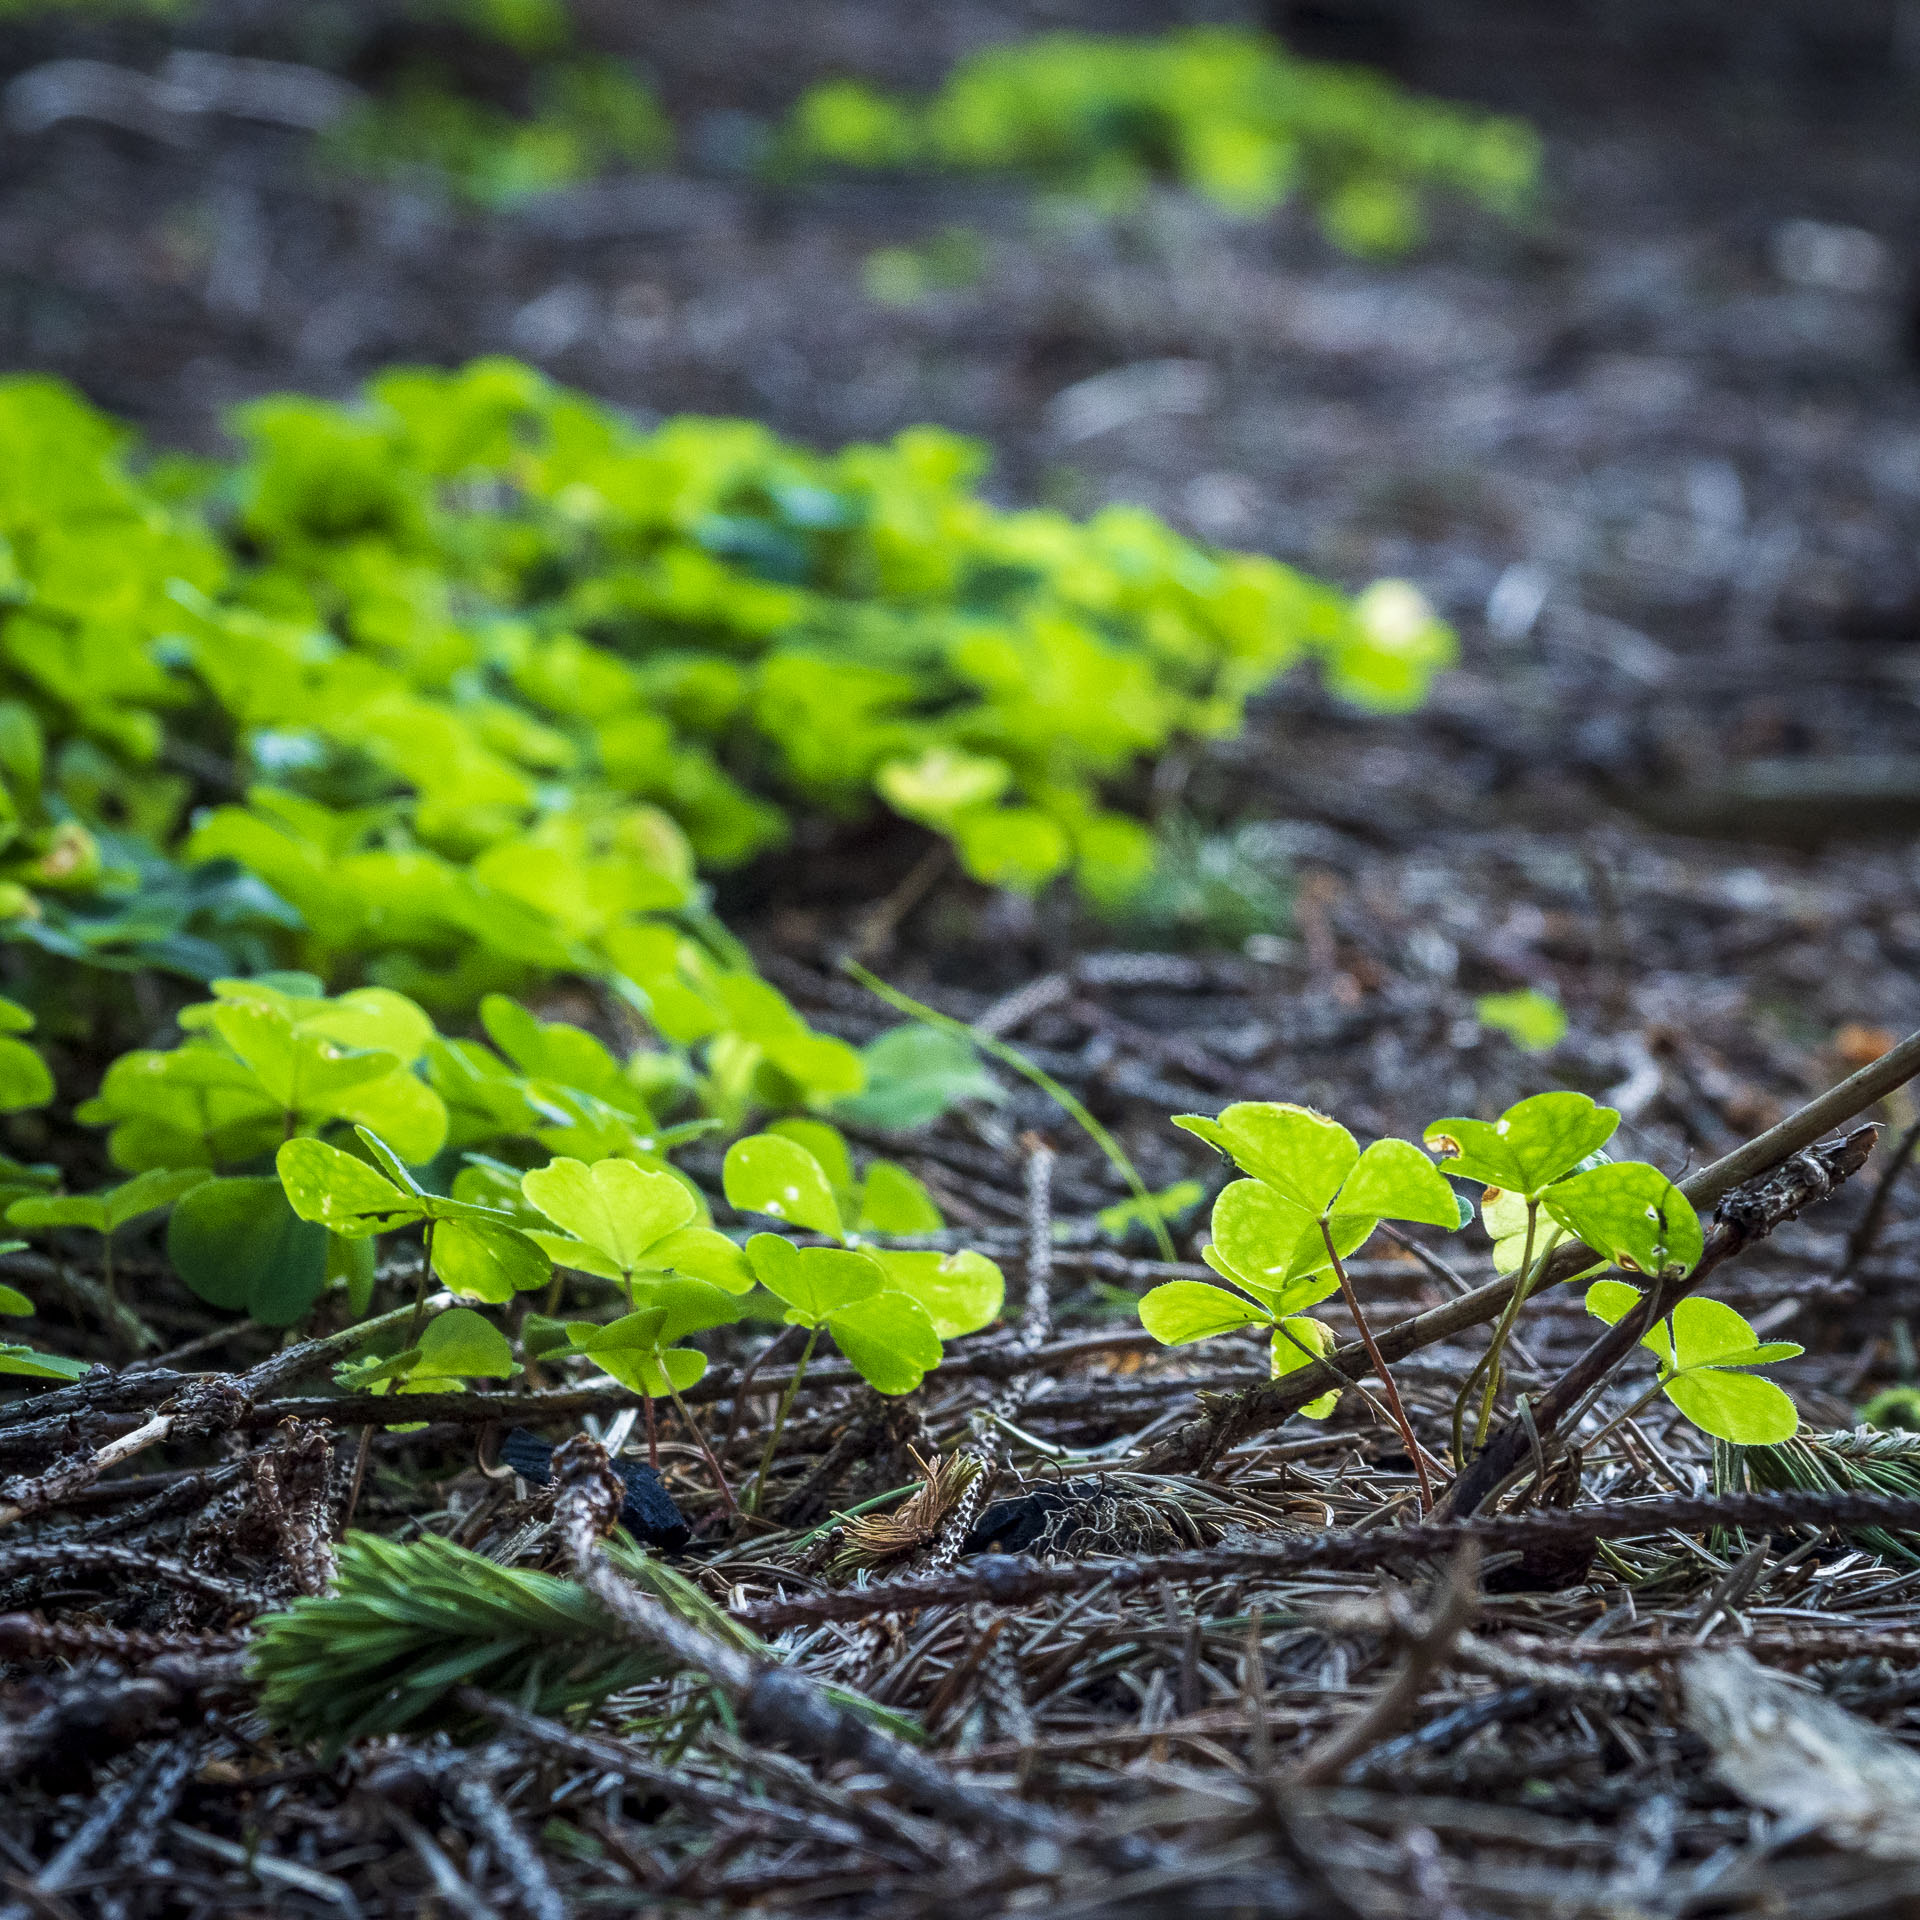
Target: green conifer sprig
[[408, 1622]]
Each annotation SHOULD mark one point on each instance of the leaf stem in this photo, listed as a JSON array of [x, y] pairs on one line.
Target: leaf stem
[[1394, 1403], [1489, 1364], [406, 1340], [779, 1421], [1008, 1056], [693, 1427], [1660, 1381]]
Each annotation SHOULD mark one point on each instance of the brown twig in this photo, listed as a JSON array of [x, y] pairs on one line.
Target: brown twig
[[1746, 1215], [1005, 1580]]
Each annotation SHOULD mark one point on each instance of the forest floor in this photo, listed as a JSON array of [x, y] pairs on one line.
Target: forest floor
[[1658, 459]]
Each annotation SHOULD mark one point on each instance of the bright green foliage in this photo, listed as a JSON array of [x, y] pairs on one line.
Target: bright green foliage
[[25, 1360], [888, 1309], [409, 1622], [111, 1209], [40, 1366], [1533, 1021], [460, 1345], [1313, 1196], [476, 1250], [266, 1059], [889, 1200], [1168, 1206], [239, 1245], [1630, 1213], [619, 1220], [800, 1171], [1701, 1351], [887, 1334], [24, 1079], [914, 1074], [1225, 112], [588, 114], [643, 1228], [1531, 1145], [641, 1348], [479, 649], [107, 1212], [768, 1173]]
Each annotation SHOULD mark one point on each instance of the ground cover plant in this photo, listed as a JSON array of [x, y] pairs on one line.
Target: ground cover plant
[[1224, 112], [581, 113]]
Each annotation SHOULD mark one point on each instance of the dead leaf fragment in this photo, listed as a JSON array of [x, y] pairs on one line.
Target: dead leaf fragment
[[1796, 1754]]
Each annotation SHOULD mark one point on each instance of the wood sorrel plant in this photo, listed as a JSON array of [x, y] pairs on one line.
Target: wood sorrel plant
[[1283, 1235], [1281, 1239], [887, 1309]]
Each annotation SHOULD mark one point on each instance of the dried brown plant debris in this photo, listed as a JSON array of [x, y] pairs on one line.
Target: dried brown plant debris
[[871, 1539]]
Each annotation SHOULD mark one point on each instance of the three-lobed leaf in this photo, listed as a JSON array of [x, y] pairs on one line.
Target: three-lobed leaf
[[960, 1292], [1275, 1248], [1699, 1351], [462, 1344], [614, 1206], [1530, 1146], [1631, 1214], [1301, 1154], [888, 1338], [112, 1208], [1298, 1342], [814, 1282], [1180, 1312], [488, 1260], [1394, 1180]]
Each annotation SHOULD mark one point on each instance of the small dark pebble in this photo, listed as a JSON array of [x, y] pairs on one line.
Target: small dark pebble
[[648, 1513]]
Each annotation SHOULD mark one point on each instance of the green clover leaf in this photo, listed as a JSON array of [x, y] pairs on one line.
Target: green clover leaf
[[1529, 1147], [766, 1173], [461, 1344], [889, 1340], [1179, 1312], [113, 1207], [1301, 1154], [1698, 1354], [1297, 1343], [1394, 1180], [614, 1207], [488, 1260], [1273, 1246], [814, 1282], [961, 1292], [1631, 1214]]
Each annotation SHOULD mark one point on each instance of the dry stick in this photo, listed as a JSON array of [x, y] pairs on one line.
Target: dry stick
[[1860, 1240], [1746, 1215], [773, 1703], [1010, 1580], [204, 1406], [1381, 1373], [696, 1796], [1230, 1418], [1429, 1639]]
